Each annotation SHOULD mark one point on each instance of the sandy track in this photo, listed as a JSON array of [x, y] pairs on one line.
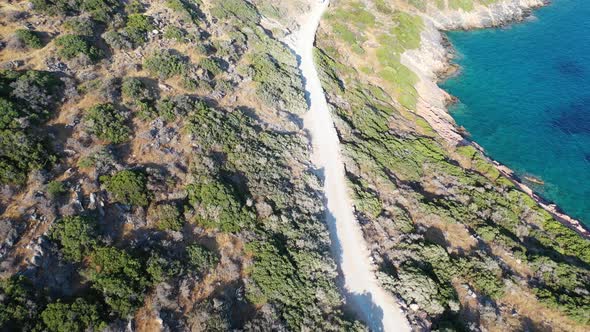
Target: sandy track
[[364, 294]]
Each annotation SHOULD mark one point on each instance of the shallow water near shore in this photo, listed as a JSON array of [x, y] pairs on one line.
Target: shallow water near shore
[[524, 94]]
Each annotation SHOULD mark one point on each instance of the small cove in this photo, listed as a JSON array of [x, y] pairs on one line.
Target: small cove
[[524, 94]]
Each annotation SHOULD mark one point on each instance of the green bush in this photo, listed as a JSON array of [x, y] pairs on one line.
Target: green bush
[[200, 258], [32, 93], [9, 114], [211, 65], [100, 159], [184, 7], [76, 236], [218, 206], [135, 7], [78, 316], [146, 110], [161, 268], [20, 154], [174, 33], [100, 10], [119, 277], [19, 305], [117, 40], [168, 217], [137, 28], [30, 38], [70, 46], [27, 98], [107, 123], [134, 89], [166, 109], [236, 9], [55, 7], [56, 189], [165, 64], [80, 25], [127, 187]]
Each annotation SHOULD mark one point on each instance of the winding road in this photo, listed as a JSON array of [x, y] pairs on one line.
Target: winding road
[[364, 294]]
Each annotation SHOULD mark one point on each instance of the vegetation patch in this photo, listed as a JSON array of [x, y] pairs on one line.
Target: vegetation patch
[[107, 123], [127, 187], [165, 64], [71, 46], [29, 38]]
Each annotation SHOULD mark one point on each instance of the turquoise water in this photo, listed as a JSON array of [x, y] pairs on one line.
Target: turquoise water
[[524, 94]]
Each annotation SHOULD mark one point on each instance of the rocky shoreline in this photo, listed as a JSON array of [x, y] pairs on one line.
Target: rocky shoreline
[[432, 62]]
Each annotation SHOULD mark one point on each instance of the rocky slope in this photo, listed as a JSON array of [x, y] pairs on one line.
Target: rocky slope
[[156, 173], [457, 241]]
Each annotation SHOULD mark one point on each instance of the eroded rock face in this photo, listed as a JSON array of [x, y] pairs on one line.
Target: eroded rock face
[[495, 14], [10, 232]]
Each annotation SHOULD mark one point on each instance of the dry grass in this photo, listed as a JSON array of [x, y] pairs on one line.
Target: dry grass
[[146, 318], [543, 317]]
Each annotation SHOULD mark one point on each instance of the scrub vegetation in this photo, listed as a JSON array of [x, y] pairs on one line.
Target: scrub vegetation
[[455, 240], [155, 174], [180, 190]]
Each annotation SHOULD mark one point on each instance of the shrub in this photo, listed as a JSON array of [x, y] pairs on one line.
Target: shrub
[[175, 33], [19, 154], [56, 189], [236, 9], [26, 98], [166, 109], [218, 205], [137, 28], [134, 89], [119, 277], [8, 115], [76, 236], [165, 64], [107, 123], [156, 268], [71, 46], [100, 10], [135, 7], [160, 268], [80, 25], [101, 160], [78, 316], [201, 258], [145, 110], [211, 65], [117, 41], [168, 217], [54, 7], [19, 305], [36, 91], [30, 38], [184, 7], [127, 187]]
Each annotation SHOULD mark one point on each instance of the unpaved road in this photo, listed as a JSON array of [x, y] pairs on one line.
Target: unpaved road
[[364, 294]]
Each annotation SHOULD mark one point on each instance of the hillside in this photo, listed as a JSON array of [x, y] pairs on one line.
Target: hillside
[[157, 173]]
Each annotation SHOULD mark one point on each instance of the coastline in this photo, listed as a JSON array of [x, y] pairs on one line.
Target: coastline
[[432, 62]]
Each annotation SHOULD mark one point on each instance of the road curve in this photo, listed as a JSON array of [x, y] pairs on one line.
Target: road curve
[[364, 295]]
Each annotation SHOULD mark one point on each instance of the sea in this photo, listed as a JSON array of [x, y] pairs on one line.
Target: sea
[[524, 96]]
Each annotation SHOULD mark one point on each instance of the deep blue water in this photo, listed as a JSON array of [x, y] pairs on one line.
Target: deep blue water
[[524, 94]]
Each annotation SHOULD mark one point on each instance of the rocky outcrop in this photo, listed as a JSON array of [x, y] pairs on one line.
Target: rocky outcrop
[[481, 16]]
